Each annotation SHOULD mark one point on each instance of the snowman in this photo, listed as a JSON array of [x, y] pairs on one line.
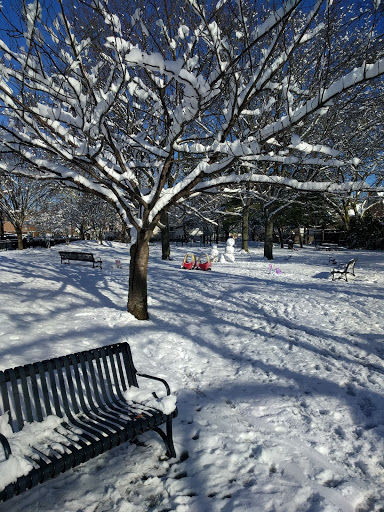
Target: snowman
[[214, 253], [230, 250]]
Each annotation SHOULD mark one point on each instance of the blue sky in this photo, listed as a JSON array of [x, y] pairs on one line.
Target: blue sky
[[8, 14]]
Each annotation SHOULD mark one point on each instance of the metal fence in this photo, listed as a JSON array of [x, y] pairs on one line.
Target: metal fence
[[11, 244]]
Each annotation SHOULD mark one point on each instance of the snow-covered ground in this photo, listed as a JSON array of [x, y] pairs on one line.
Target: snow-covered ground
[[279, 377]]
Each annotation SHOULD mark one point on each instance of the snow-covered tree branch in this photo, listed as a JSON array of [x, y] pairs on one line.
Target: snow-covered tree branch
[[158, 107]]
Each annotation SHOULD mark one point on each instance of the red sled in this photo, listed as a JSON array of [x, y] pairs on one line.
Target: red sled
[[204, 265], [189, 262]]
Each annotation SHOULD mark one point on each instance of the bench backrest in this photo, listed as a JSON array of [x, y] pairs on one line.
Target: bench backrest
[[66, 385], [351, 263], [81, 256]]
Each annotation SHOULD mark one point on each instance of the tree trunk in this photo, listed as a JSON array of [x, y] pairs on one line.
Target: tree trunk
[[300, 237], [125, 234], [165, 242], [99, 235], [185, 234], [346, 217], [19, 234], [279, 230], [138, 272], [245, 226], [268, 243], [1, 224]]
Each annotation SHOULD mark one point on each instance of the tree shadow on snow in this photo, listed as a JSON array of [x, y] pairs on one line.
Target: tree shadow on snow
[[321, 275]]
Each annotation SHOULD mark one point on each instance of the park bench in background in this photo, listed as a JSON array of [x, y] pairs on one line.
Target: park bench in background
[[324, 246], [343, 271], [66, 256], [87, 397]]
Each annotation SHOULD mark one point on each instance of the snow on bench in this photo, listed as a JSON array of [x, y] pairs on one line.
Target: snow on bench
[[62, 412]]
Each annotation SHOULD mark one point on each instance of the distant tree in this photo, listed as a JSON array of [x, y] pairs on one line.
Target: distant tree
[[50, 219], [20, 198], [366, 233], [98, 215], [69, 211], [306, 211]]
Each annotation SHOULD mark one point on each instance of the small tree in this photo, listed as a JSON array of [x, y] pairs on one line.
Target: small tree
[[20, 198]]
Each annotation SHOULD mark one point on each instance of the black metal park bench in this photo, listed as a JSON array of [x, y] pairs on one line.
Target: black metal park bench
[[84, 394], [67, 256], [343, 271]]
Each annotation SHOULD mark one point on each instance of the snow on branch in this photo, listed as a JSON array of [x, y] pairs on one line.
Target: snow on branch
[[323, 98], [150, 112], [281, 181]]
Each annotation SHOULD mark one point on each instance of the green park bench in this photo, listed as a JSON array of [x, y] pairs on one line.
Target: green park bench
[[84, 394]]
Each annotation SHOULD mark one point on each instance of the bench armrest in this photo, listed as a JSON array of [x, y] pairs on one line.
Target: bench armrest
[[158, 379], [6, 447]]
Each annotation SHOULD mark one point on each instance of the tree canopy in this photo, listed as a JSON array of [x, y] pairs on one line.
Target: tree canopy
[[149, 107]]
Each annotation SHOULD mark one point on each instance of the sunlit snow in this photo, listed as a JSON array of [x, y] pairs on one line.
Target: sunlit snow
[[279, 377]]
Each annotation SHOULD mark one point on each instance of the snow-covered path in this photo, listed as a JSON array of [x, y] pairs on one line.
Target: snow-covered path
[[279, 378]]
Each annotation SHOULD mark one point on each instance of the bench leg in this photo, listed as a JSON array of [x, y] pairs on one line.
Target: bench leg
[[167, 438]]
